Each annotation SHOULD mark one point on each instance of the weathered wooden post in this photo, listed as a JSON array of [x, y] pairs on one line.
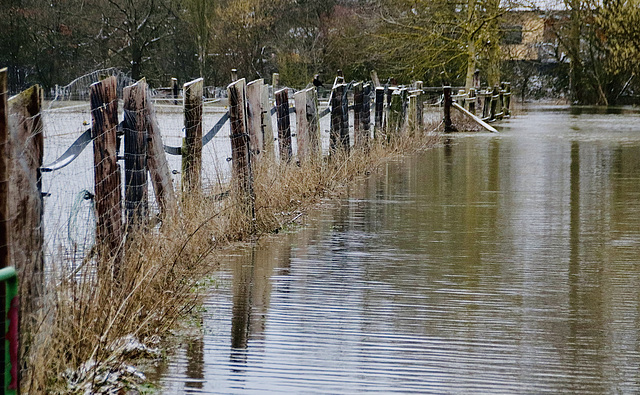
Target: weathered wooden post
[[4, 171], [108, 203], [412, 113], [395, 114], [344, 126], [307, 122], [254, 117], [135, 152], [192, 143], [26, 205], [500, 113], [284, 124], [472, 101], [234, 75], [365, 117], [174, 90], [267, 123], [275, 82], [375, 79], [157, 164], [240, 155], [486, 105], [447, 101], [379, 108], [337, 108], [494, 103], [507, 99], [358, 139], [420, 109]]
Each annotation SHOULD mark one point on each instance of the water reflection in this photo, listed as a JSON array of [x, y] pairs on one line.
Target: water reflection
[[491, 264]]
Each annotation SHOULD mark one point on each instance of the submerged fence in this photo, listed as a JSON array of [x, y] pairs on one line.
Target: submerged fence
[[131, 174]]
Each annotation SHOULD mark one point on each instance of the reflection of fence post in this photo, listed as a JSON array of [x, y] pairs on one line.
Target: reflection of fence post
[[365, 117], [448, 126], [241, 158], [379, 107], [336, 117], [284, 124], [135, 152], [26, 205], [4, 171], [254, 117], [108, 204], [192, 146]]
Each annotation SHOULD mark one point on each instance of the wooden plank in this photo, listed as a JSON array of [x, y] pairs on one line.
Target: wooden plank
[[267, 123], [25, 188], [254, 117], [192, 147], [284, 124], [474, 118], [308, 125], [135, 153], [108, 202], [4, 172], [158, 165], [242, 175]]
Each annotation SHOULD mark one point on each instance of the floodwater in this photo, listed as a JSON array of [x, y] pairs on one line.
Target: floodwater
[[502, 263]]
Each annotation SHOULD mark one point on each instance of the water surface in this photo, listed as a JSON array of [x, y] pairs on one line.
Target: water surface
[[494, 263]]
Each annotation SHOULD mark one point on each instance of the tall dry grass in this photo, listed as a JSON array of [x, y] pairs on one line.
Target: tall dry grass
[[94, 324]]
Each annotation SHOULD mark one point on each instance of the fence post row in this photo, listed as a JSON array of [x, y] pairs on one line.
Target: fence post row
[[192, 145], [284, 124], [108, 205], [135, 152]]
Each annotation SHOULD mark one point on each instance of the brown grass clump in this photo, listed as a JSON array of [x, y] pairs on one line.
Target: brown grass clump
[[94, 323]]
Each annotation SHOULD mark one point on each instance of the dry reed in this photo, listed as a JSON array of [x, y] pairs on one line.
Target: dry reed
[[94, 324]]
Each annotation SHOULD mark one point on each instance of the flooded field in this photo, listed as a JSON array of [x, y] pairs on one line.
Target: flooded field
[[502, 263]]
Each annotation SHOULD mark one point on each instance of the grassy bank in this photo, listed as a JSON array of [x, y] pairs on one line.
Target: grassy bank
[[95, 326]]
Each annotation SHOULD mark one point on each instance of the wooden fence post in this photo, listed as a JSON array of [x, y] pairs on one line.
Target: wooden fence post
[[254, 117], [379, 107], [358, 98], [486, 104], [365, 117], [507, 99], [26, 150], [108, 203], [472, 101], [234, 75], [344, 126], [284, 124], [412, 112], [174, 90], [192, 145], [158, 165], [337, 108], [135, 152], [447, 101], [395, 114], [4, 171], [241, 158], [494, 102], [267, 123], [500, 113], [275, 82], [420, 109], [307, 124]]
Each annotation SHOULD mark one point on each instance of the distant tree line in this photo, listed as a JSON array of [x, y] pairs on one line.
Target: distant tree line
[[435, 41]]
